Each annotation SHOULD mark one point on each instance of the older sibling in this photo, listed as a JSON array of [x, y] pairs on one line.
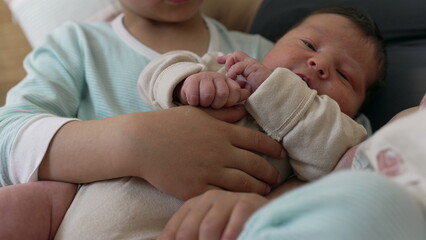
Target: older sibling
[[76, 116]]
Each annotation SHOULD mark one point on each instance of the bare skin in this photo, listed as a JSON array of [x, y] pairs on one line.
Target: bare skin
[[156, 22], [319, 51], [72, 156], [230, 163], [34, 210]]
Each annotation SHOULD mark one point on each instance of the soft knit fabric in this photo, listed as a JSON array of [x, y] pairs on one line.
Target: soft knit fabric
[[398, 151], [89, 71], [350, 205]]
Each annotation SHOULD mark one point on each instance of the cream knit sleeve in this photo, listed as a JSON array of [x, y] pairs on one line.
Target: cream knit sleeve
[[160, 77]]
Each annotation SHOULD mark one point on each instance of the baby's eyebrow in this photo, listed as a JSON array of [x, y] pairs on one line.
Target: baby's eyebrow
[[316, 29]]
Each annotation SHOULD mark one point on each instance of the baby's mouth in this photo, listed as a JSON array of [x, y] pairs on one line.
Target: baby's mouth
[[306, 79]]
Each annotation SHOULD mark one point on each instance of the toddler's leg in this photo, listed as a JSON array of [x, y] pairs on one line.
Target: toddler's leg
[[346, 205], [33, 210]]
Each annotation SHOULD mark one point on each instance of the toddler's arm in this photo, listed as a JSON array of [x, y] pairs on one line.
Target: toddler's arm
[[154, 146]]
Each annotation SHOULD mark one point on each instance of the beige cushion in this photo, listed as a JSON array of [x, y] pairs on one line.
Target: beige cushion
[[234, 14]]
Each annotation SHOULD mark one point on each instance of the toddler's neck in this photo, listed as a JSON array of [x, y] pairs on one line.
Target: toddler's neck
[[191, 35]]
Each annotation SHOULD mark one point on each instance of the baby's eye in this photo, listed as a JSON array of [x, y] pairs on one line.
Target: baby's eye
[[309, 45], [342, 75]]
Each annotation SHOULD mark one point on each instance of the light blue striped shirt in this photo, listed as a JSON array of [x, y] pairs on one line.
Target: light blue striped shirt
[[89, 71]]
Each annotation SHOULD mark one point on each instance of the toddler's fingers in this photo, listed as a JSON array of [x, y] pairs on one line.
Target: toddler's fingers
[[186, 222], [214, 222], [242, 211], [242, 176], [172, 227], [244, 94]]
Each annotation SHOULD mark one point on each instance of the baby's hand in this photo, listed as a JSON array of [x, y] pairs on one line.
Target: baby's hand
[[239, 63], [211, 89]]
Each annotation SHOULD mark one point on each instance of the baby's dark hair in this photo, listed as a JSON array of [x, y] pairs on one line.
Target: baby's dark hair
[[370, 29]]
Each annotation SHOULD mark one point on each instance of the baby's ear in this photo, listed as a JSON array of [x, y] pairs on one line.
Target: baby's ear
[[423, 102]]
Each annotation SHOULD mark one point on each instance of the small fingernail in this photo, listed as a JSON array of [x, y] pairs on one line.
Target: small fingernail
[[268, 189], [279, 178]]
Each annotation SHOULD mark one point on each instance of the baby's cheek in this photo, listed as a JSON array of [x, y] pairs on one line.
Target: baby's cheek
[[347, 105]]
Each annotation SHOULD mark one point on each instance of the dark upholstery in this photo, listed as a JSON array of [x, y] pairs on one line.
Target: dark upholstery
[[403, 25]]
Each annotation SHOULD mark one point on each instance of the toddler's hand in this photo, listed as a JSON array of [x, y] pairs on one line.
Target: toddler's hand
[[211, 89], [215, 214], [220, 155], [239, 63]]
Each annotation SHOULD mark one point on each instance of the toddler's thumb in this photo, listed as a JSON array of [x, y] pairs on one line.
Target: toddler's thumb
[[230, 114]]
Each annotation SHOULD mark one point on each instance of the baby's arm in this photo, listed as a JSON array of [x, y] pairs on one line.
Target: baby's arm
[[182, 76], [216, 89], [159, 79], [210, 89], [312, 128]]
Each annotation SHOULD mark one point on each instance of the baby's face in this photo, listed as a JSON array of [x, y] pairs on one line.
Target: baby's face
[[332, 56], [163, 10]]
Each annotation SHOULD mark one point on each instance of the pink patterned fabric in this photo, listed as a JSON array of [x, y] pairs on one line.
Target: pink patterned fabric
[[398, 151]]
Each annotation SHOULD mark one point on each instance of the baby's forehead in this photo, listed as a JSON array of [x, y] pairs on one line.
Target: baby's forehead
[[330, 21]]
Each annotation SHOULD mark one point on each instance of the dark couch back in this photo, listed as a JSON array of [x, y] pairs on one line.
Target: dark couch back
[[403, 25]]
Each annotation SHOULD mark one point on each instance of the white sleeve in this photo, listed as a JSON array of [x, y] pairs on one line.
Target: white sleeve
[[398, 151], [30, 145], [312, 128], [160, 77]]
